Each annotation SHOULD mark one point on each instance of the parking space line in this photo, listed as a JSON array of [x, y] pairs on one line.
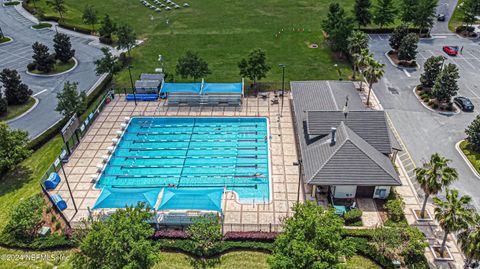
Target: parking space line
[[406, 73], [40, 92]]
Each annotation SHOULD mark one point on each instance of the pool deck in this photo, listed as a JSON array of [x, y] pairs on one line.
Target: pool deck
[[238, 217]]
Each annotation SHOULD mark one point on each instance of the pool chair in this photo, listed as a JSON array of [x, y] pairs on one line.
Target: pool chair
[[340, 209], [59, 202], [52, 181]]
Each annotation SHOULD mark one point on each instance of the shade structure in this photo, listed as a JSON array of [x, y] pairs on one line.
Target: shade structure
[[222, 88], [122, 197], [209, 199], [181, 88]]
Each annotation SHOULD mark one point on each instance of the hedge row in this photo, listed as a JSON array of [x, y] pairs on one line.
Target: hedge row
[[229, 236], [50, 242], [365, 249]]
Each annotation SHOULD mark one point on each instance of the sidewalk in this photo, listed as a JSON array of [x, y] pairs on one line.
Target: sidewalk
[[431, 229]]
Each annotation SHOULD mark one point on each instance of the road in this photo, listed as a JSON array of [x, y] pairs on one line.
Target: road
[[17, 54], [444, 7], [425, 132]]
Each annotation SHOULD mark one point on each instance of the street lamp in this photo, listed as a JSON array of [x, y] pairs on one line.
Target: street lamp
[[131, 81], [339, 71], [283, 85]]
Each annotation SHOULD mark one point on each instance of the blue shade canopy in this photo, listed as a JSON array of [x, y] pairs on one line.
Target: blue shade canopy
[[122, 197], [181, 87], [222, 88], [192, 199]]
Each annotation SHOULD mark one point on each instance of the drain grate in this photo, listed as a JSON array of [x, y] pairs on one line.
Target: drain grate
[[393, 90]]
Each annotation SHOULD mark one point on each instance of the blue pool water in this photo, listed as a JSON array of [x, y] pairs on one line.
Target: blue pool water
[[193, 153]]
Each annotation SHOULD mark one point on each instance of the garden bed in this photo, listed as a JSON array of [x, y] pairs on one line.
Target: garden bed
[[439, 256], [17, 110], [393, 56], [417, 214], [59, 68], [472, 156], [42, 25], [5, 39], [466, 31], [424, 96]]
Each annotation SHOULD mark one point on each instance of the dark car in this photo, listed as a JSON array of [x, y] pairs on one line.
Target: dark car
[[440, 17], [464, 103]]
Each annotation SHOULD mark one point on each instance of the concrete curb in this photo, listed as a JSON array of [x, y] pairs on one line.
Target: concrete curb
[[5, 43], [400, 67], [26, 112], [432, 110], [54, 75], [467, 161]]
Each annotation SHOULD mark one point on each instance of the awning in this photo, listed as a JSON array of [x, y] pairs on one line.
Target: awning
[[192, 199], [222, 88], [181, 87], [123, 197]]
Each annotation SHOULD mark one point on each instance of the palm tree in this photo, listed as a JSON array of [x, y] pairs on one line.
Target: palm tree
[[360, 62], [433, 176], [357, 41], [470, 241], [373, 73], [453, 214]]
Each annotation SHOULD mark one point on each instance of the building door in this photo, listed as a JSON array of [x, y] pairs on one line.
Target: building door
[[365, 191]]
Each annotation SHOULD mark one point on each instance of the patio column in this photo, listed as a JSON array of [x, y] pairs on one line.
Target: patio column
[[314, 190]]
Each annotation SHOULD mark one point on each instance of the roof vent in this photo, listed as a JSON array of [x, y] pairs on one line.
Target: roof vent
[[333, 136]]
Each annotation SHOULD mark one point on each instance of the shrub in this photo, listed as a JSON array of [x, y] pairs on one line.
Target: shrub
[[25, 217], [52, 241], [12, 3], [430, 103], [53, 218], [435, 106], [353, 216], [58, 226], [423, 95], [252, 236], [31, 66], [365, 249], [171, 235], [106, 40], [426, 99], [395, 209]]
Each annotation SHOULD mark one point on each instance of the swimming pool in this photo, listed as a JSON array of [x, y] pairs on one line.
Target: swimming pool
[[193, 153]]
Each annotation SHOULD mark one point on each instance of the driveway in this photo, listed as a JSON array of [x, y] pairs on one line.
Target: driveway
[[425, 132], [444, 7], [17, 54]]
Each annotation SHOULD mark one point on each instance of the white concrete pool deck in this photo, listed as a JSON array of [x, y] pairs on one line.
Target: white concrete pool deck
[[238, 217]]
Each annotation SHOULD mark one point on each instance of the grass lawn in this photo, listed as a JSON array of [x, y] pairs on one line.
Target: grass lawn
[[4, 39], [472, 156], [33, 259], [59, 68], [25, 182], [223, 32], [42, 25], [456, 19], [360, 262], [17, 110]]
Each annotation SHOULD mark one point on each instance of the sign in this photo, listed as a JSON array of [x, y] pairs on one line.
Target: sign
[[69, 129]]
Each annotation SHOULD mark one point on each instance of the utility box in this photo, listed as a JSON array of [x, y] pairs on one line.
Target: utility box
[[396, 264]]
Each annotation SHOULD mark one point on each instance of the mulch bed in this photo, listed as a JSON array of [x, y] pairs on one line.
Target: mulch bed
[[394, 57], [432, 102]]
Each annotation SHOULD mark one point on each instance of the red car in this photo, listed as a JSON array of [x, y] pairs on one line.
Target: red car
[[451, 50]]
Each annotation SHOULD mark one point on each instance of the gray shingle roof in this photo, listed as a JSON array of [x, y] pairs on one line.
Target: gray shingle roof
[[352, 160], [157, 76], [371, 125], [147, 84]]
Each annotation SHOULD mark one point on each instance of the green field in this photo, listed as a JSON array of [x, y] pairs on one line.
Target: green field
[[223, 32], [17, 110]]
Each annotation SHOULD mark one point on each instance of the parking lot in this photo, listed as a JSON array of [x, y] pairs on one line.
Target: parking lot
[[425, 132]]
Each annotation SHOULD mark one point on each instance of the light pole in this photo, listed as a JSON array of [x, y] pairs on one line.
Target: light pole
[[283, 85], [131, 81], [339, 71]]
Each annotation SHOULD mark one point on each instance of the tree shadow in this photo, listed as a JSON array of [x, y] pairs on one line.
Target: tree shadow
[[15, 179], [201, 263]]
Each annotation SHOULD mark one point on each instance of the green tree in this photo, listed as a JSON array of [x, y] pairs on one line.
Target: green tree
[[206, 233], [387, 240], [107, 28], [3, 103], [126, 37], [120, 241], [63, 47], [408, 49], [191, 65], [433, 176], [469, 10], [255, 66], [397, 36], [58, 6], [453, 214], [469, 240], [357, 42], [446, 83], [407, 10], [25, 217], [360, 61], [90, 16], [473, 134], [34, 3], [339, 26], [373, 73], [70, 100], [425, 11], [13, 147], [43, 60], [361, 10], [16, 92], [109, 64], [311, 239], [432, 68], [384, 13]]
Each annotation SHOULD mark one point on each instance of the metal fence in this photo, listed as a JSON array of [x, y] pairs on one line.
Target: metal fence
[[72, 143]]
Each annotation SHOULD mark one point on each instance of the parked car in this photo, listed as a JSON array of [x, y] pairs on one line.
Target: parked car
[[451, 50], [464, 103], [440, 17]]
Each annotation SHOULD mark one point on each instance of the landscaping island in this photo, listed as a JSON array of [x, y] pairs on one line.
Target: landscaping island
[[59, 67], [425, 96], [17, 110], [5, 39], [472, 156], [42, 25]]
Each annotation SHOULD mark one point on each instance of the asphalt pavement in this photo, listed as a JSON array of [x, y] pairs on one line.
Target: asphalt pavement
[[445, 7], [17, 54], [425, 132]]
